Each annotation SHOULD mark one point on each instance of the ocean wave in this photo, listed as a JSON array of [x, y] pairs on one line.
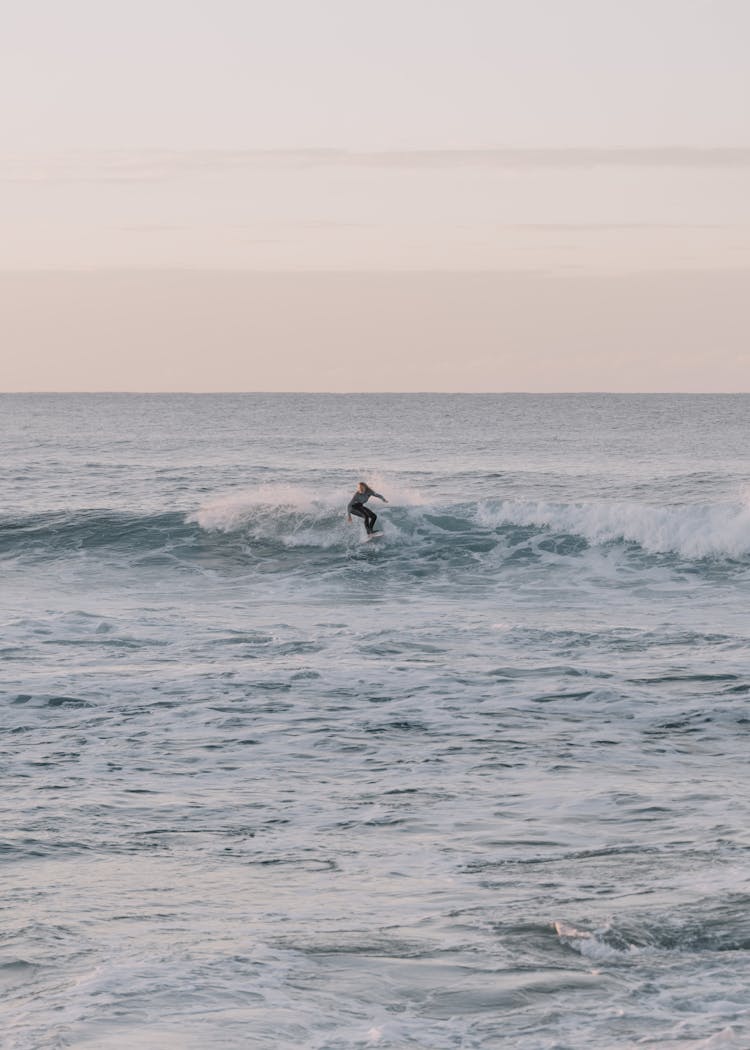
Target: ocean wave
[[66, 532], [277, 519], [716, 925], [298, 517], [694, 531]]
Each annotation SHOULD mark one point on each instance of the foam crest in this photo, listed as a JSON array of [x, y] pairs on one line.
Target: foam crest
[[236, 510], [693, 531], [292, 514], [592, 946]]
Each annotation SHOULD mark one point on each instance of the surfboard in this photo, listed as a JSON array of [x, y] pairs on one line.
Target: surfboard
[[374, 536]]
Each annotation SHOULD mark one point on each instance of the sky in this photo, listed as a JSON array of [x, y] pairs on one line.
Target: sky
[[411, 195]]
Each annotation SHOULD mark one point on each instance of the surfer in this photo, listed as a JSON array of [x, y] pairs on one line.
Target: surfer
[[358, 508]]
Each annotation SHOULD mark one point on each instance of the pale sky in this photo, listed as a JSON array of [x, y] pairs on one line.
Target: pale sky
[[597, 150]]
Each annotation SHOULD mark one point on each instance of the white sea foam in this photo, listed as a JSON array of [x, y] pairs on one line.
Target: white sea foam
[[590, 944], [234, 510], [265, 503], [695, 531]]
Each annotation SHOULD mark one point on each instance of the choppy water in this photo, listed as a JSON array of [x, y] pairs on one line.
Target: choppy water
[[483, 783]]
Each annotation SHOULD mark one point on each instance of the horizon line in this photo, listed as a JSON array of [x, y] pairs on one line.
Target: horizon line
[[374, 393]]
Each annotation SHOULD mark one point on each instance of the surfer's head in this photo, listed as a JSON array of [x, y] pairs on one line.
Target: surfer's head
[[362, 486]]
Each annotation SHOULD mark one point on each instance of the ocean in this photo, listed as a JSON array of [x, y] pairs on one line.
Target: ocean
[[483, 783]]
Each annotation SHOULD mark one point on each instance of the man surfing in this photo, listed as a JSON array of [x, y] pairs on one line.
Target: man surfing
[[358, 508]]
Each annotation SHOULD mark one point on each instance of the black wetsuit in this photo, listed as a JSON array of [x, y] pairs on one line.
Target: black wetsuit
[[359, 510]]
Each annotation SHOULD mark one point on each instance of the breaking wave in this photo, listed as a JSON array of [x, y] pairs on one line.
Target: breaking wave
[[692, 531], [280, 519]]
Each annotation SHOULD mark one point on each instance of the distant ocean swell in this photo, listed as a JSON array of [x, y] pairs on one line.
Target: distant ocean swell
[[259, 522]]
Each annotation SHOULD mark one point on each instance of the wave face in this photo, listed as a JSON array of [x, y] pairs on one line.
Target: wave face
[[720, 530], [479, 783], [270, 521], [300, 518]]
